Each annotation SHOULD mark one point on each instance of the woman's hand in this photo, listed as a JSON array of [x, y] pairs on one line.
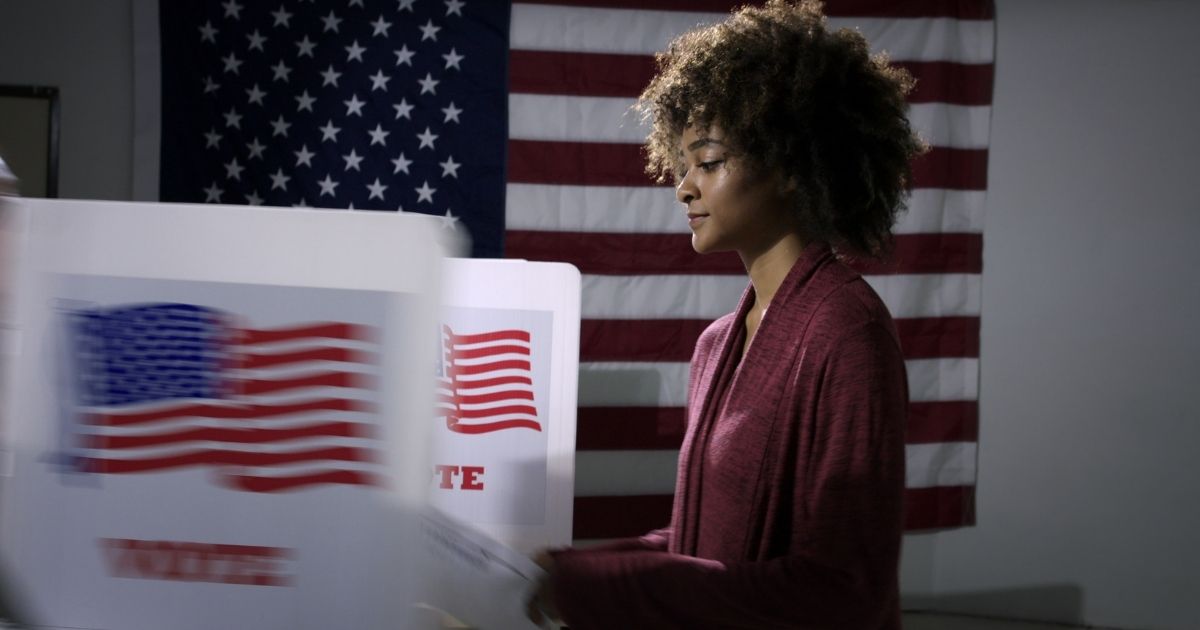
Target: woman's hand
[[540, 608]]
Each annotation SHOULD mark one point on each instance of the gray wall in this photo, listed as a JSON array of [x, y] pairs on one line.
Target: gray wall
[[1090, 420]]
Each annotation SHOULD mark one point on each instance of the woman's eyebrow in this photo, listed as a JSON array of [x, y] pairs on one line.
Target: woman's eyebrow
[[703, 141]]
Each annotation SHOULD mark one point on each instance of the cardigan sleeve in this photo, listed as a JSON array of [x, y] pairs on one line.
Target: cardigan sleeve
[[839, 568]]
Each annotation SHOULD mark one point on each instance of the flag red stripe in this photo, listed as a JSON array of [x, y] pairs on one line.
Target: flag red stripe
[[329, 330], [629, 428], [344, 355], [475, 353], [626, 516], [219, 457], [625, 76], [483, 368], [239, 436], [480, 399], [499, 335], [489, 427], [960, 9], [327, 379], [674, 339], [232, 412], [493, 382], [633, 253], [942, 421], [938, 507], [277, 484], [622, 164], [496, 411], [661, 428]]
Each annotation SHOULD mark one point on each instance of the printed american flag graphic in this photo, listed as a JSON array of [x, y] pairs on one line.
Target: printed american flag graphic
[[548, 85], [163, 387], [485, 382]]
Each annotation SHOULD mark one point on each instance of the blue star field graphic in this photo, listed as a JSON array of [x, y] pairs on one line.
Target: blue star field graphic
[[359, 104]]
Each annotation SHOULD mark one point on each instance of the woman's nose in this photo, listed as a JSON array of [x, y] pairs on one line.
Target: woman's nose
[[686, 191]]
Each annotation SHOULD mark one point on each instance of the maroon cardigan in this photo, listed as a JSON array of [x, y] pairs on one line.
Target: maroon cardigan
[[791, 477]]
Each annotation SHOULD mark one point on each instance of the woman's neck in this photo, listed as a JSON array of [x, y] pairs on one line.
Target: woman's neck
[[768, 268]]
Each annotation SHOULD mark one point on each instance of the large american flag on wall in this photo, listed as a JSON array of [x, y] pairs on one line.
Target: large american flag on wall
[[510, 121]]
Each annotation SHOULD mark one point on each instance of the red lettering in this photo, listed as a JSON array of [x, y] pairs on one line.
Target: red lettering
[[196, 562], [447, 473], [470, 479]]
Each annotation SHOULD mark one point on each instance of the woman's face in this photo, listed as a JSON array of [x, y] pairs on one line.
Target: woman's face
[[731, 206]]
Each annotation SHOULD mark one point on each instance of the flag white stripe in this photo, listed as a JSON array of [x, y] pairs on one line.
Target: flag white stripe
[[557, 118], [628, 473], [664, 383], [653, 209], [711, 296], [644, 32]]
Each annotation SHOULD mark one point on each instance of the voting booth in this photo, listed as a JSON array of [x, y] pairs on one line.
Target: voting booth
[[238, 418]]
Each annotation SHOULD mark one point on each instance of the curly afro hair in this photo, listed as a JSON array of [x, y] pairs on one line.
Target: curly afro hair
[[794, 98]]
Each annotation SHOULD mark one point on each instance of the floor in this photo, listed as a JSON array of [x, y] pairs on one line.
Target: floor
[[946, 621]]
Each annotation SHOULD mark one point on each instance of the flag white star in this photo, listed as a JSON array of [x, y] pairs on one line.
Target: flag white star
[[354, 106], [212, 194], [454, 7], [282, 72], [279, 180], [381, 27], [232, 63], [301, 204], [329, 132], [404, 56], [255, 95], [378, 135], [379, 81], [279, 127], [208, 33], [304, 101], [211, 139], [376, 190], [428, 84], [233, 119], [256, 40], [449, 221], [425, 193], [452, 58], [354, 2], [256, 149], [401, 163], [450, 167], [352, 160], [233, 170], [451, 113], [327, 186], [426, 139], [232, 9], [429, 31], [282, 17], [331, 22], [403, 109], [406, 5], [306, 47], [210, 85], [331, 77], [304, 156], [253, 199], [354, 51]]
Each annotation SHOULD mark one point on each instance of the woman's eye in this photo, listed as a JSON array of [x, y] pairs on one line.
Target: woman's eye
[[709, 166]]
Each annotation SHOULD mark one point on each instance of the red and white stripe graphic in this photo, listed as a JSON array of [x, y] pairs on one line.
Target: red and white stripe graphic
[[300, 413], [487, 382], [577, 193]]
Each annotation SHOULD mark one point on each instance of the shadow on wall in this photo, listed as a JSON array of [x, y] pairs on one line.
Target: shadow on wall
[[1052, 603]]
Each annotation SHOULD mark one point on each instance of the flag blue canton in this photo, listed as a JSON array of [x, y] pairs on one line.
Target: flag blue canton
[[362, 104], [148, 353]]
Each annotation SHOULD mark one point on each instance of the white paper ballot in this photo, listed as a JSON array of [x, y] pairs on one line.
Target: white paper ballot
[[474, 578]]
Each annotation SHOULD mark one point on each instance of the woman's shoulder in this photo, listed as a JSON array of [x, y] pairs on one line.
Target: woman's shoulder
[[715, 334]]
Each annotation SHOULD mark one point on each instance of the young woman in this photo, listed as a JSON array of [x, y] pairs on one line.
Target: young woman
[[789, 145]]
